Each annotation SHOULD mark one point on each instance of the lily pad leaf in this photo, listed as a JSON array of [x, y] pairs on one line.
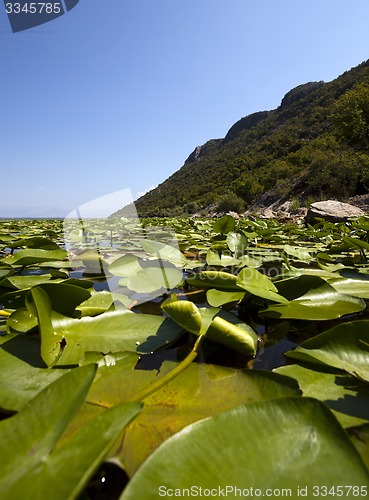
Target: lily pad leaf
[[355, 287], [347, 397], [64, 298], [215, 279], [31, 436], [345, 347], [185, 313], [97, 303], [322, 303], [37, 242], [127, 265], [201, 391], [152, 279], [24, 282], [20, 382], [64, 340], [164, 252], [360, 438], [237, 243], [217, 298], [215, 324], [298, 253], [233, 336], [214, 258], [248, 437], [34, 256], [259, 284], [224, 225]]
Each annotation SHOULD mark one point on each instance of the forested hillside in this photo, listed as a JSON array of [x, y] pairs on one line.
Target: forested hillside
[[315, 145]]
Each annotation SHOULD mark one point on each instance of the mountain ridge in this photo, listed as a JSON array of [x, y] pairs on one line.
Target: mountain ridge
[[298, 150]]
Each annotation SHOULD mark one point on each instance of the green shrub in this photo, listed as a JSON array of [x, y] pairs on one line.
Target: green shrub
[[231, 203]]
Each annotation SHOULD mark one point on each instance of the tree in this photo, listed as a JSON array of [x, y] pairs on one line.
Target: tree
[[351, 116]]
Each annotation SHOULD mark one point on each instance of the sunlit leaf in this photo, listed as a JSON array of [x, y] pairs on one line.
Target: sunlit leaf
[[224, 225], [217, 298], [344, 346], [302, 444], [202, 390], [31, 436], [322, 303], [346, 396], [259, 284], [65, 340], [35, 256]]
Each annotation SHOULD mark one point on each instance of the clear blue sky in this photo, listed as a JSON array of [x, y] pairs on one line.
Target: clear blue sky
[[117, 93]]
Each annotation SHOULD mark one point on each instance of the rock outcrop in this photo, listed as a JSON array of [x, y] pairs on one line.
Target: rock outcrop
[[300, 92], [332, 211], [245, 123], [204, 150]]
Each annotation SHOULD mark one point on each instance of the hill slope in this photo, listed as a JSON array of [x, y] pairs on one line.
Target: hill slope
[[315, 145]]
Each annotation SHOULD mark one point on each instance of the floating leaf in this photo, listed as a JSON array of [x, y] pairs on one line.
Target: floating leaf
[[97, 303], [360, 439], [24, 282], [217, 298], [217, 325], [314, 452], [65, 341], [185, 313], [322, 303], [346, 396], [233, 336], [20, 382], [354, 287], [152, 279], [31, 436], [299, 253], [202, 390], [37, 242], [345, 347], [215, 279], [215, 259], [164, 252], [237, 243], [259, 284], [29, 256], [224, 225], [127, 265]]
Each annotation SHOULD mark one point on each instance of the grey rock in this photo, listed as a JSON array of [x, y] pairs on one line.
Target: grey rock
[[332, 211]]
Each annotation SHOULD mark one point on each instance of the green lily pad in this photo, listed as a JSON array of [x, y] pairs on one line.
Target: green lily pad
[[259, 284], [319, 304], [215, 259], [217, 298], [152, 279], [31, 438], [346, 396], [302, 445], [34, 256], [224, 225], [345, 347], [202, 390], [215, 279], [20, 382], [64, 340]]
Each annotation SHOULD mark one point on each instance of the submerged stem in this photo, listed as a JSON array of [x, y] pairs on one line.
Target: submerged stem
[[158, 384]]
